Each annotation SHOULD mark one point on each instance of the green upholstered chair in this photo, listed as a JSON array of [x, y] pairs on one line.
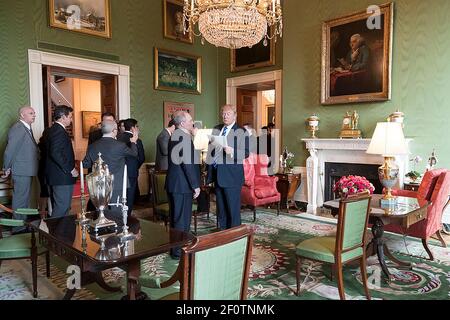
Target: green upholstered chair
[[215, 267], [22, 246], [348, 245], [160, 200]]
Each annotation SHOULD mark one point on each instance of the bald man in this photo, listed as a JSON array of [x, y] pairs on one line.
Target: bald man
[[21, 159]]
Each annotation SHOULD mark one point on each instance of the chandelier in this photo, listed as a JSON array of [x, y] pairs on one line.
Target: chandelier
[[234, 23]]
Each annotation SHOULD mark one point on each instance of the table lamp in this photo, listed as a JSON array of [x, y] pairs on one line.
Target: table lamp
[[201, 141], [388, 140]]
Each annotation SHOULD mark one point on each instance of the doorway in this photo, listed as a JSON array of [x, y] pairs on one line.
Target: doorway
[[38, 60], [258, 101], [89, 94]]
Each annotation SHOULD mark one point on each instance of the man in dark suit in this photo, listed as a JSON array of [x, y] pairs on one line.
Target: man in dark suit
[[225, 167], [183, 175], [113, 153], [21, 160], [162, 147], [60, 169], [133, 163], [97, 134]]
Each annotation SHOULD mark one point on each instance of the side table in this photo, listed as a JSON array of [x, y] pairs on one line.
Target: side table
[[411, 186], [287, 184]]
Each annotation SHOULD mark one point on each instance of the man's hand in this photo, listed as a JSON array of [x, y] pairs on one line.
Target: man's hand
[[6, 174], [135, 136], [74, 173], [196, 193], [229, 150]]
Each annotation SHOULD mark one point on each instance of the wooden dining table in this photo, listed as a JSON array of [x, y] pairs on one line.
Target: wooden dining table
[[93, 253]]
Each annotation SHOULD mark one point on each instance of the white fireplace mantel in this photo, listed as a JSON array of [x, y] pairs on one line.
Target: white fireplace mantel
[[339, 151]]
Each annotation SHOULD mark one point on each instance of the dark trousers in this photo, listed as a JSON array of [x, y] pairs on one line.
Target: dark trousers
[[228, 201], [61, 197], [180, 206], [131, 190]]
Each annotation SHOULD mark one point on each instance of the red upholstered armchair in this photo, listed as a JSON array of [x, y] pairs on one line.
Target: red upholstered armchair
[[259, 188], [435, 187]]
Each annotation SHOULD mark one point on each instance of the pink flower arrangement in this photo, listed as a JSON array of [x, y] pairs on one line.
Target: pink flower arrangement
[[351, 185]]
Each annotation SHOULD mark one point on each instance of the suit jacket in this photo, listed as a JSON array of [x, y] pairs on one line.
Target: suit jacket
[[60, 157], [183, 174], [162, 150], [114, 154], [230, 170], [133, 163], [21, 153]]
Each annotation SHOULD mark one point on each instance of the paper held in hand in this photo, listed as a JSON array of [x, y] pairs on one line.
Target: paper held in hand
[[220, 141]]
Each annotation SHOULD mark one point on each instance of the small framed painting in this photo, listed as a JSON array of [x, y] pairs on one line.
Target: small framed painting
[[174, 23], [91, 17], [171, 107], [90, 121]]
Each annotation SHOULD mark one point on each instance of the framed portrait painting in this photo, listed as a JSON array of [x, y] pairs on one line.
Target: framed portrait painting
[[180, 72], [357, 57], [86, 16], [171, 107], [174, 23], [257, 56], [89, 121]]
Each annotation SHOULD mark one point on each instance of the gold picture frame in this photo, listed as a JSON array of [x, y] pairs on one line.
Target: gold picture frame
[[178, 72], [93, 17], [258, 56], [174, 22], [89, 121], [357, 57]]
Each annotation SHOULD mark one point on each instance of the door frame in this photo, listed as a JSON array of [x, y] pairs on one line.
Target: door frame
[[276, 76], [36, 59]]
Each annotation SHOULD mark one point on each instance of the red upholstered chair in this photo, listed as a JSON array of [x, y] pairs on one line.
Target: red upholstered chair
[[435, 187], [259, 188]]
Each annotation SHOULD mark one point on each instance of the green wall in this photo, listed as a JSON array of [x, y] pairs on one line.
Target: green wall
[[420, 74], [136, 30]]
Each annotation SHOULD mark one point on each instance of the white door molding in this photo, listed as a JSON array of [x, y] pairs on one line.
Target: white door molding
[[36, 59]]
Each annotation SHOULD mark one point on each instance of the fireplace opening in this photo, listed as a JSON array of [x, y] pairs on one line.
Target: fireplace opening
[[334, 171]]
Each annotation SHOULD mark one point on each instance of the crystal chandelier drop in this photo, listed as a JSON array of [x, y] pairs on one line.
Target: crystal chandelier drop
[[234, 23]]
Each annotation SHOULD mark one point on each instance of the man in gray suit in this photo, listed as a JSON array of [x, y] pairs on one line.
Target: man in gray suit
[[21, 159], [113, 153], [162, 147]]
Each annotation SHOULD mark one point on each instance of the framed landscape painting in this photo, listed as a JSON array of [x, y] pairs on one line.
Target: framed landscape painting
[[171, 107], [86, 16], [257, 56], [174, 23], [357, 56], [180, 72]]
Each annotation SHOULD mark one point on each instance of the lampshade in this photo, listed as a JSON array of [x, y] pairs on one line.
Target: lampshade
[[201, 139], [388, 140]]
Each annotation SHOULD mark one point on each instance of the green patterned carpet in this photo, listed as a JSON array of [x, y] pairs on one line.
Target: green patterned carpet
[[273, 268]]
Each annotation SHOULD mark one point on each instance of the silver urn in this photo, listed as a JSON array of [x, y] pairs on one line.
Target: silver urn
[[100, 184]]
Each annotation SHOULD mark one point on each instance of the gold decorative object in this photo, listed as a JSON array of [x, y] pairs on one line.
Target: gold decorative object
[[350, 126], [234, 24], [313, 125], [398, 117]]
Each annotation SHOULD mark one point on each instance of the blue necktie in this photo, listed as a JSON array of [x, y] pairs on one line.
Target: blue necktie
[[224, 133]]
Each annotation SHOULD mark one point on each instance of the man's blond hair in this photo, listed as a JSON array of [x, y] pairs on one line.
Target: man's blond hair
[[230, 107]]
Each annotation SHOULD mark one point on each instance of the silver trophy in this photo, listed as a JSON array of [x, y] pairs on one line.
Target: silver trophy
[[100, 185]]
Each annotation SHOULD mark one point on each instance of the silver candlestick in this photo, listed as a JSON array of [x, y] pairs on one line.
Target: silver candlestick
[[125, 235], [83, 220]]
